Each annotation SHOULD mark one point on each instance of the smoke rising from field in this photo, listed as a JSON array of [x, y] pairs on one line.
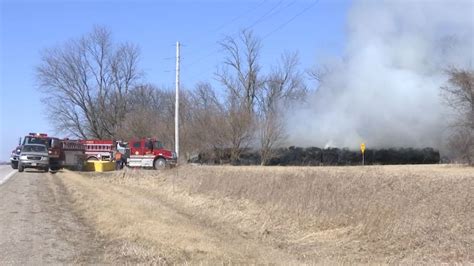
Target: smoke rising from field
[[385, 89]]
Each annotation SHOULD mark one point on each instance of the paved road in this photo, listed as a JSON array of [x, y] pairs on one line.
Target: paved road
[[37, 225], [5, 173]]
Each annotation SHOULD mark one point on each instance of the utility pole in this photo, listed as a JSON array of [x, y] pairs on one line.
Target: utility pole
[[176, 106]]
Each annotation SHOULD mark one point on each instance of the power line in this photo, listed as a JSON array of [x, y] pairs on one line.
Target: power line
[[201, 58], [250, 10], [225, 24], [270, 14], [262, 18], [259, 20], [306, 9], [273, 10]]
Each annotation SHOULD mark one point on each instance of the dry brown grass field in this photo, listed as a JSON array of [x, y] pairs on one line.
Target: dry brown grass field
[[282, 215]]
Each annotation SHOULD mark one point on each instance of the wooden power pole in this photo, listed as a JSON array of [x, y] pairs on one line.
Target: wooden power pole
[[176, 108]]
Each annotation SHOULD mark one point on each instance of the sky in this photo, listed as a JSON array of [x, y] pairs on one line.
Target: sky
[[310, 27]]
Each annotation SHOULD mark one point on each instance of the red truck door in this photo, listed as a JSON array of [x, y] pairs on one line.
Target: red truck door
[[154, 147], [136, 147], [148, 146]]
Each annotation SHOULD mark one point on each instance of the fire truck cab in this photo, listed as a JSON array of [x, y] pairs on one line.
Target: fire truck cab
[[150, 153]]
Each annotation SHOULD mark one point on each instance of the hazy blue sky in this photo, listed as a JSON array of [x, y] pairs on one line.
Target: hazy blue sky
[[317, 28]]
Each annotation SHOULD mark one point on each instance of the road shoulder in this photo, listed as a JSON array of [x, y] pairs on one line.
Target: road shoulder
[[38, 225]]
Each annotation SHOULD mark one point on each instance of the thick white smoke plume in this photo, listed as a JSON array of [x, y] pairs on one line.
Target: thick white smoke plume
[[385, 90]]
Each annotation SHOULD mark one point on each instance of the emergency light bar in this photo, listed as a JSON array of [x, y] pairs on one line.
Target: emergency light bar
[[39, 134]]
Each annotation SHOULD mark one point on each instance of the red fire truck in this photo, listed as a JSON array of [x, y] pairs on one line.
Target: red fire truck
[[98, 149], [136, 152], [149, 153], [72, 154]]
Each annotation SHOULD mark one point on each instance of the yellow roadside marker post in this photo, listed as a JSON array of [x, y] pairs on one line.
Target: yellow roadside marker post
[[362, 149]]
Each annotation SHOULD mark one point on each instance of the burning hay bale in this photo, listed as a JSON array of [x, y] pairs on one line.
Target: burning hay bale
[[348, 157], [314, 156], [248, 157]]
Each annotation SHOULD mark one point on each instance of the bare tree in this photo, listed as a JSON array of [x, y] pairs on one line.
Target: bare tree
[[151, 114], [459, 96], [208, 118], [141, 120], [240, 76], [271, 134], [283, 86], [462, 143], [86, 83], [141, 123], [318, 73]]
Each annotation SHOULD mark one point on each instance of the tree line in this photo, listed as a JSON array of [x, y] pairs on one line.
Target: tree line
[[94, 88]]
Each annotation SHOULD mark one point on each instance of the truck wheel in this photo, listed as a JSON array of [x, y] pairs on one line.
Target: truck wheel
[[159, 164], [14, 165], [20, 168]]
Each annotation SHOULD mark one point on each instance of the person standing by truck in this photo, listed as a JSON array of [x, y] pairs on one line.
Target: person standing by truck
[[118, 160]]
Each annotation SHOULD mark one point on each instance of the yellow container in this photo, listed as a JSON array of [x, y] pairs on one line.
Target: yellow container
[[100, 166]]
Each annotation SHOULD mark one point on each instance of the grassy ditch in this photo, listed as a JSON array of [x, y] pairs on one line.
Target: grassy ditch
[[282, 214]]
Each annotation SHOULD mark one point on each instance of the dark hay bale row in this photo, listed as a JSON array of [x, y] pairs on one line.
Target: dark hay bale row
[[248, 157], [312, 156], [403, 156]]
